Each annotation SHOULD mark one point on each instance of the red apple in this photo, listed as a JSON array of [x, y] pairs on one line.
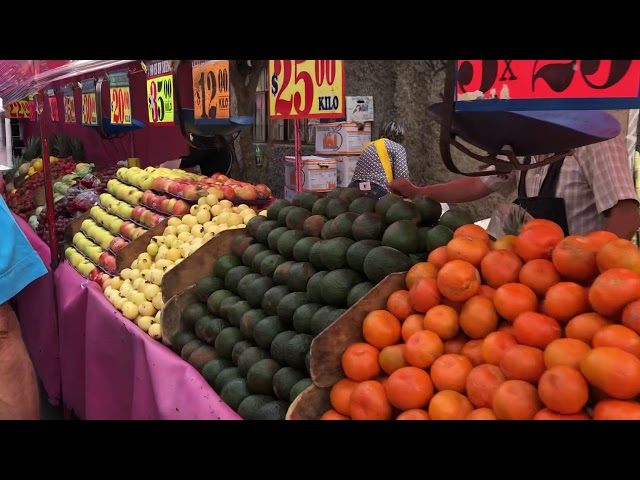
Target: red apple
[[263, 191], [180, 208], [101, 278], [158, 183], [118, 243], [127, 228], [136, 214], [94, 274], [191, 192], [246, 193], [147, 196], [156, 202], [215, 176], [174, 187], [137, 232], [229, 192], [157, 218], [145, 216]]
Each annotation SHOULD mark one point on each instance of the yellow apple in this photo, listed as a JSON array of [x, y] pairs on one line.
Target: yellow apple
[[189, 220], [177, 243], [155, 331], [185, 250], [182, 228], [203, 216], [184, 236], [157, 274], [147, 309], [170, 230], [156, 300], [116, 283], [208, 236], [174, 222], [152, 249], [158, 317], [173, 254], [126, 273], [137, 283], [130, 310], [197, 231]]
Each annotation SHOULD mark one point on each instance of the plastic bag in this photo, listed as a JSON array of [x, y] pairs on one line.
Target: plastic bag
[[72, 193], [507, 219], [84, 201], [90, 181]]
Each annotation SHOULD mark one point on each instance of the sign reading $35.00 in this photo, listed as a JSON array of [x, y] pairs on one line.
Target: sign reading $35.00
[[306, 89]]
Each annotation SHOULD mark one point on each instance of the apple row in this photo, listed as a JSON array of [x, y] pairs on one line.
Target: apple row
[[144, 179], [102, 236], [139, 214], [86, 267], [94, 252], [124, 192]]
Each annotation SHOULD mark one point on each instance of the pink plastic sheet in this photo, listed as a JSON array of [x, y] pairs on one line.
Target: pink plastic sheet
[[39, 320], [112, 370]]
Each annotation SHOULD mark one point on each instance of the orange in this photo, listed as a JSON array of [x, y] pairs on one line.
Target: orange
[[409, 388], [611, 409], [539, 275], [450, 371], [612, 370], [473, 351], [618, 336], [618, 253], [438, 257], [482, 383], [442, 320], [584, 327], [536, 330], [381, 329], [537, 242], [411, 325], [456, 344], [419, 271], [468, 249], [612, 290], [399, 305], [340, 395], [369, 402], [516, 400], [600, 237], [546, 414], [487, 292], [565, 300], [458, 280], [536, 222], [423, 348], [449, 405], [471, 230], [333, 415], [512, 299], [631, 316], [565, 351], [478, 317], [522, 362], [563, 389], [415, 414], [391, 358], [499, 267], [575, 258], [482, 414], [424, 295], [360, 362], [506, 242], [495, 344]]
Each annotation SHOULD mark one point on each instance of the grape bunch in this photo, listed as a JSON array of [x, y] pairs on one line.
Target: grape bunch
[[62, 219]]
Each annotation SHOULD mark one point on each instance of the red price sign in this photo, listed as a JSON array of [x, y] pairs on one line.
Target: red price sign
[[89, 114], [306, 89], [120, 105], [211, 87], [19, 109], [53, 109], [547, 84], [69, 109]]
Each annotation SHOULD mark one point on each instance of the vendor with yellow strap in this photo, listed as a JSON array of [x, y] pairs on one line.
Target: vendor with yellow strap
[[381, 162]]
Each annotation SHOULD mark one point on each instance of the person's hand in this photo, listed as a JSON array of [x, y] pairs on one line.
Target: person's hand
[[404, 187]]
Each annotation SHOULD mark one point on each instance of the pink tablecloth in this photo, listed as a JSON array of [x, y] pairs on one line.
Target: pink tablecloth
[[112, 370], [39, 320]]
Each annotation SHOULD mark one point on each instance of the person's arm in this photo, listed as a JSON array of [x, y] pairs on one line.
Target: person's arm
[[624, 219], [400, 165]]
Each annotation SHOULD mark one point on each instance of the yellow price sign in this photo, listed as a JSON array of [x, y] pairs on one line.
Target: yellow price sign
[[160, 100], [306, 89], [19, 109], [89, 114], [210, 89], [120, 105]]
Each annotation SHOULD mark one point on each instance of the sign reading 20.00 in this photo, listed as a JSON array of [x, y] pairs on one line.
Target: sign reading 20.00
[[306, 89]]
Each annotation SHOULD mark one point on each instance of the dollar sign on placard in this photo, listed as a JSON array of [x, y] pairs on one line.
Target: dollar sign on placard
[[274, 84]]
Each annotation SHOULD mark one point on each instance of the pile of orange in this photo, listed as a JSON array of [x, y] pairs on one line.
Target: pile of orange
[[536, 326]]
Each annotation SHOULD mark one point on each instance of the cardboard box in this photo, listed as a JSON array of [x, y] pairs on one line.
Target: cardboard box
[[346, 166], [318, 173], [341, 138], [290, 194]]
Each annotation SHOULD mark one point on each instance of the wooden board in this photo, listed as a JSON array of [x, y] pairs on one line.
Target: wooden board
[[125, 256], [40, 193], [73, 227], [198, 265], [172, 313], [328, 347], [311, 404]]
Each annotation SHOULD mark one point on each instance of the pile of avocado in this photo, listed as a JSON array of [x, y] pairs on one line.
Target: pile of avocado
[[291, 274]]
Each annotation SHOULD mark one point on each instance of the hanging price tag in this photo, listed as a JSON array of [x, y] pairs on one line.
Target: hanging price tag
[[120, 96], [160, 93], [69, 104], [89, 114], [53, 105], [19, 109], [306, 89], [210, 90], [492, 85]]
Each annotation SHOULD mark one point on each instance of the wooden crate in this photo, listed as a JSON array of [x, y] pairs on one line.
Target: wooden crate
[[198, 265], [126, 255], [311, 404], [172, 312]]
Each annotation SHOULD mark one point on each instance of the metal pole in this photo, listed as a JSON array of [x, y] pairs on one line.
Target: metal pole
[[298, 151], [48, 182]]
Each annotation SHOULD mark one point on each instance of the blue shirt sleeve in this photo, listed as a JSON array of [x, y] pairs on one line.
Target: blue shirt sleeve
[[19, 262]]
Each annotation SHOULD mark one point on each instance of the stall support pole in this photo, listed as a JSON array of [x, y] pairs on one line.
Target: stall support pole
[[48, 182], [298, 154]]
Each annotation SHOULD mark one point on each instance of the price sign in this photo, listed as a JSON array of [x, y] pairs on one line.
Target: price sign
[[306, 89], [89, 114], [19, 109], [120, 95], [485, 85], [33, 116], [53, 105], [160, 93], [210, 90], [69, 104]]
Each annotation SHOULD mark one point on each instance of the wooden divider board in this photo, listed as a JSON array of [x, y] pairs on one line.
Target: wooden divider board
[[311, 404], [40, 193], [172, 312], [73, 227], [198, 265], [126, 255], [328, 347]]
